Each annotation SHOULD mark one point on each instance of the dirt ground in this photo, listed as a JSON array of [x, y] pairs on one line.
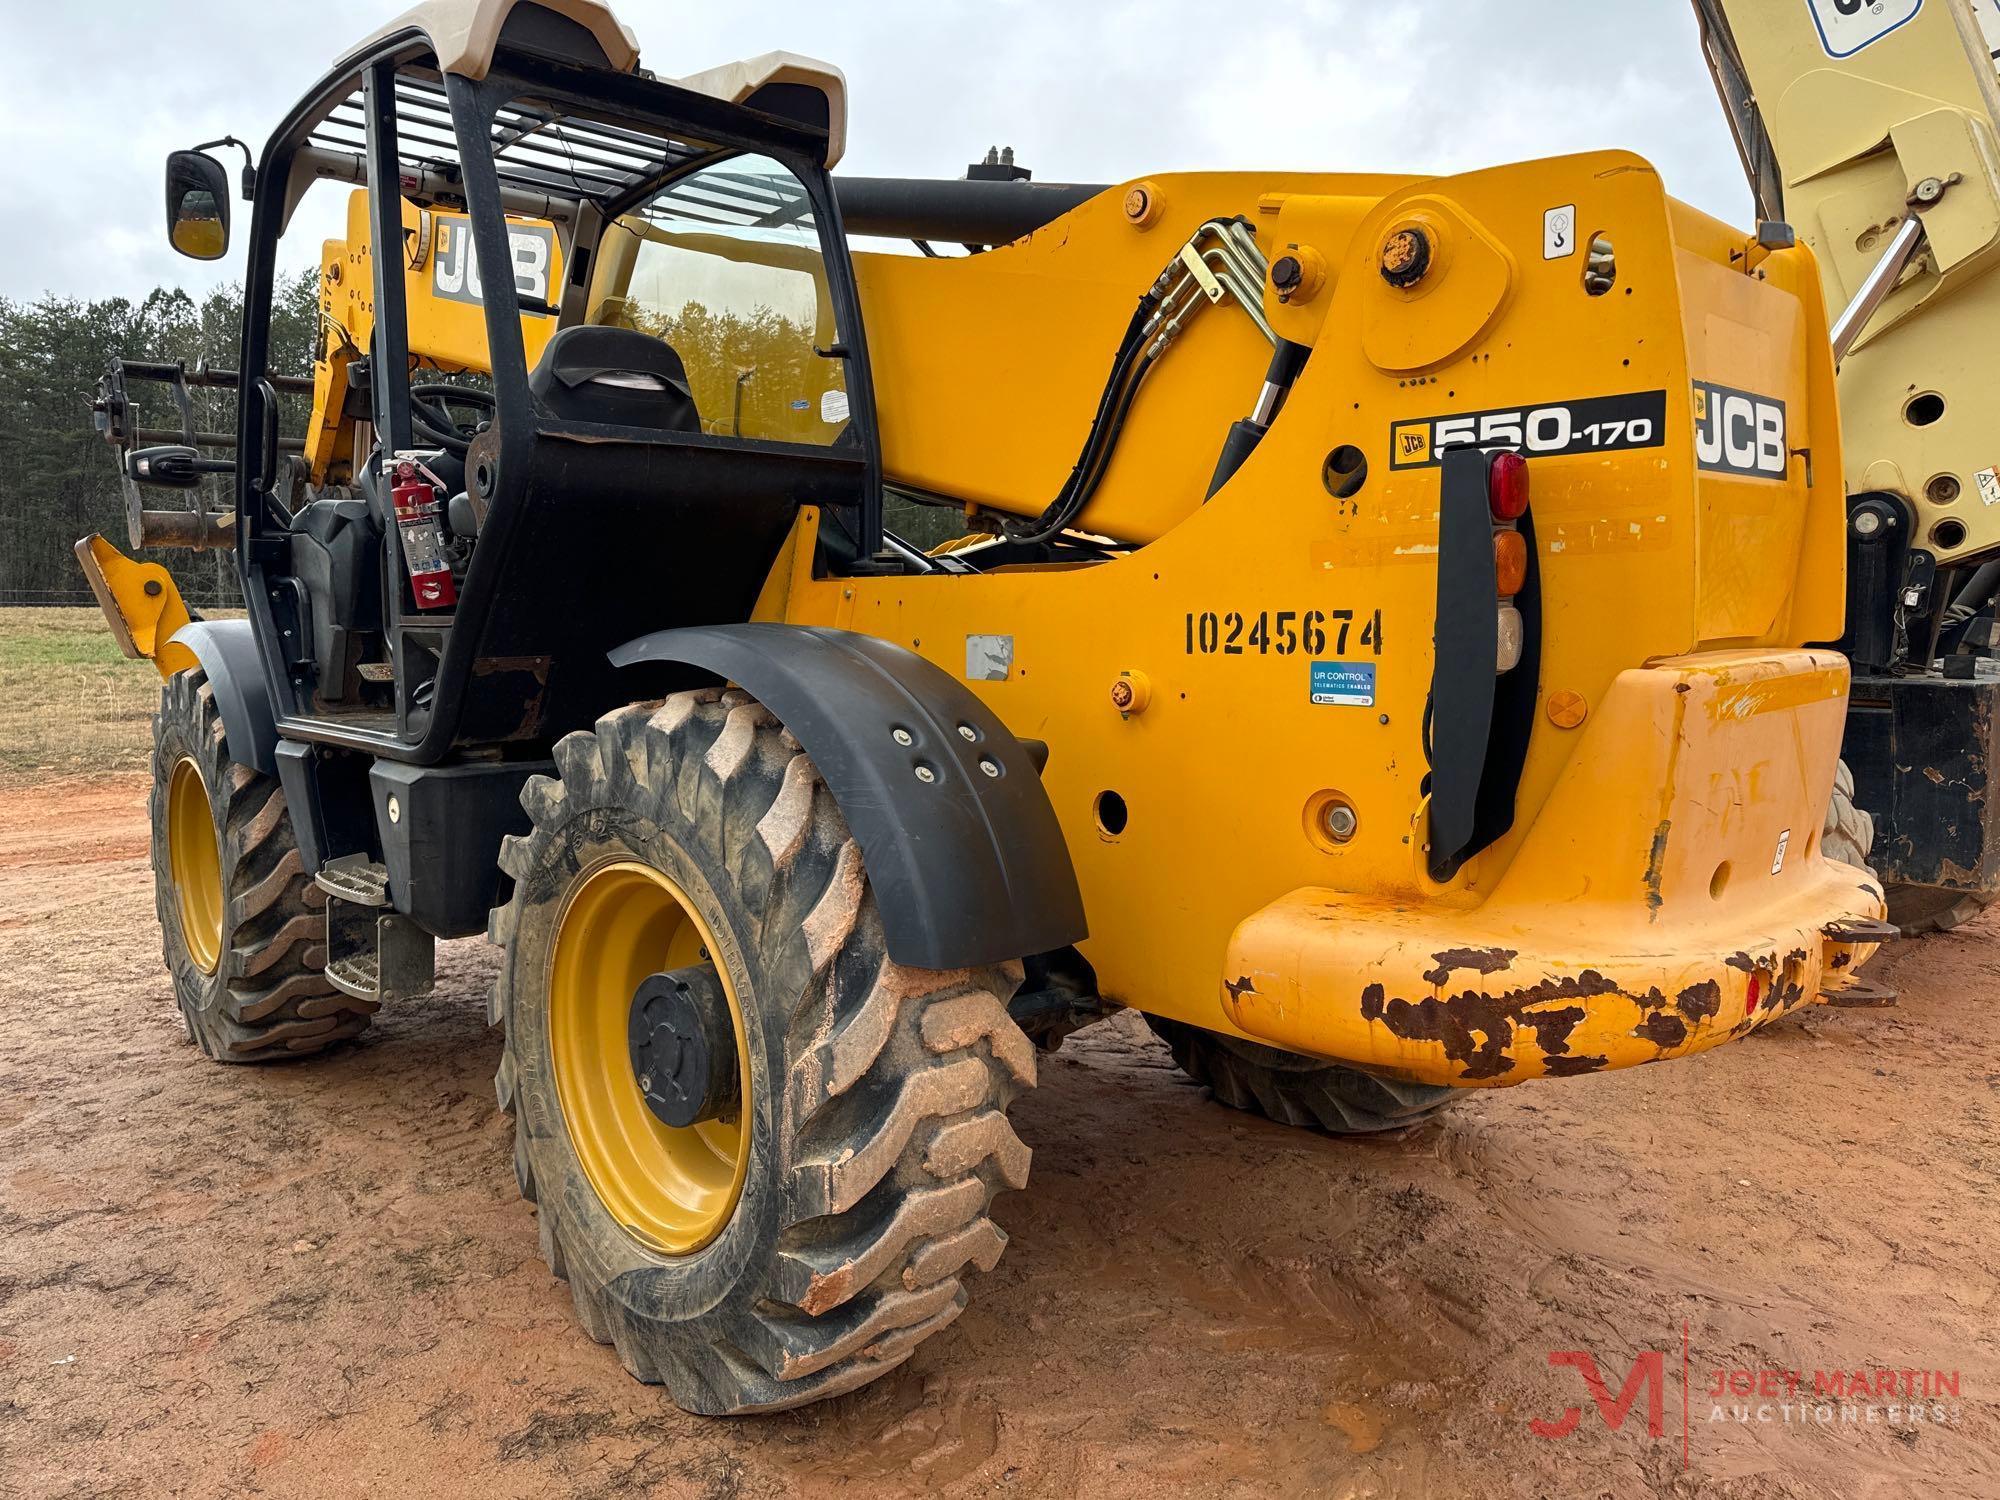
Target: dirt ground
[[318, 1279]]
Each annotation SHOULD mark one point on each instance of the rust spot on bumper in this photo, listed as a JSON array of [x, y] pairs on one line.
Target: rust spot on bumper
[[1478, 960], [1698, 1002], [1477, 1030], [1662, 1029], [1573, 1067]]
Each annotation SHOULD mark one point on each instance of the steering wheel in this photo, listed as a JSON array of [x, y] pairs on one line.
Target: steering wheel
[[430, 414]]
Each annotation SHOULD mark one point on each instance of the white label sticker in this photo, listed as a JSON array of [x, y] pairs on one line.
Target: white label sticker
[[833, 406], [1846, 26], [1559, 232], [1989, 486], [1778, 859], [988, 658]]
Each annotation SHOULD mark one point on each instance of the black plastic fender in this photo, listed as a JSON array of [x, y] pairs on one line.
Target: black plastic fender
[[968, 863], [228, 655]]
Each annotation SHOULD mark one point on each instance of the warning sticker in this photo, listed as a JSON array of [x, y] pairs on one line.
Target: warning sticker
[[1344, 684], [1846, 26], [1989, 486]]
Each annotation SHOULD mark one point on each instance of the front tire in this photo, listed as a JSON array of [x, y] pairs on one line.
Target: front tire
[[1295, 1090], [243, 927], [869, 1135]]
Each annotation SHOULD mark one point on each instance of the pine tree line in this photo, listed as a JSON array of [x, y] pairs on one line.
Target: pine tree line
[[58, 480]]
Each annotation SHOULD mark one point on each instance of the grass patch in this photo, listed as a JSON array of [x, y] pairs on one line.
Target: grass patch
[[70, 704]]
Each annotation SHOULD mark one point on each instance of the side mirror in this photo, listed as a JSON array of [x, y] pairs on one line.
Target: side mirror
[[173, 466], [197, 205]]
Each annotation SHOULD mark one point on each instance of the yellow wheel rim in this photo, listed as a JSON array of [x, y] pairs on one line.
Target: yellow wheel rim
[[672, 1188], [195, 864]]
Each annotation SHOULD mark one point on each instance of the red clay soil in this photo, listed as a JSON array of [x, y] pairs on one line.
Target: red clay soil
[[317, 1278]]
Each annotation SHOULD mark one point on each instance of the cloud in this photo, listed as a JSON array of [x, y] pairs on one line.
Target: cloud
[[93, 96]]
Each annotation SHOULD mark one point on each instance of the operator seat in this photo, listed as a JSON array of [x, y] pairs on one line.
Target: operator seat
[[619, 376]]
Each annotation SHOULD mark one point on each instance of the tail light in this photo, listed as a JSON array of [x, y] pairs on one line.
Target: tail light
[[1510, 562], [1507, 486], [1512, 635], [1507, 498]]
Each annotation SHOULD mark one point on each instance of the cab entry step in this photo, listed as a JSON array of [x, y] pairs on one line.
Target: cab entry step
[[372, 951]]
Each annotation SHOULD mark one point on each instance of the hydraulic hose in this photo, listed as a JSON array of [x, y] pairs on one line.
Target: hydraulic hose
[[1127, 368]]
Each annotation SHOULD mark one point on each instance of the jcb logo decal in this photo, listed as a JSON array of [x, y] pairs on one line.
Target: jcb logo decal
[[1738, 432], [456, 267]]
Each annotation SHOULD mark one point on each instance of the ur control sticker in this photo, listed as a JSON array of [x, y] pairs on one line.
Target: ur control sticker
[[1344, 684]]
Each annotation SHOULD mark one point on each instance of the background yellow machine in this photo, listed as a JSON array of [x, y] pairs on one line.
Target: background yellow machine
[[1374, 642], [1874, 132]]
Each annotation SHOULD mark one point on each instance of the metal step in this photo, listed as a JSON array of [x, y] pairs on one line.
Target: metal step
[[355, 878], [359, 975], [373, 952], [1861, 994]]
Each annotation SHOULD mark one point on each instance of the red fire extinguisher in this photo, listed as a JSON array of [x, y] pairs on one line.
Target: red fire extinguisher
[[418, 509]]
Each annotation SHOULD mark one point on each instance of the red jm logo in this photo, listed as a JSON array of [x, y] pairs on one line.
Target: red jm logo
[[1648, 1373]]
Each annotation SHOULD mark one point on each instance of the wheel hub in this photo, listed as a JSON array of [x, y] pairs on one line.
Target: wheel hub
[[683, 1044], [671, 1186]]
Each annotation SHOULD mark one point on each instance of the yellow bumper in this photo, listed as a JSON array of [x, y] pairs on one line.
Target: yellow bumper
[[1670, 895]]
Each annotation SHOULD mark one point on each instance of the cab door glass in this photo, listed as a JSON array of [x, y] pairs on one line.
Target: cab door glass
[[725, 265]]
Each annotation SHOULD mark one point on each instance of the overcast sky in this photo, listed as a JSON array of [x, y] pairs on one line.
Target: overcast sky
[[93, 93]]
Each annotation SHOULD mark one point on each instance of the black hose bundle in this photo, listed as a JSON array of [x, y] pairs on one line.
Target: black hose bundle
[[1128, 368]]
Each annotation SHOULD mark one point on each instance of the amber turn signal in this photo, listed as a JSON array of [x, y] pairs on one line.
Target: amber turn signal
[[1510, 562]]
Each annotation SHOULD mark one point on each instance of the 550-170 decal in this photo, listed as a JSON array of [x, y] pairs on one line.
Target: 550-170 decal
[[1597, 424], [1735, 431]]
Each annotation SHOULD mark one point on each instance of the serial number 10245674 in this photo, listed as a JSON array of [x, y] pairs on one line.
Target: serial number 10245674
[[1235, 633]]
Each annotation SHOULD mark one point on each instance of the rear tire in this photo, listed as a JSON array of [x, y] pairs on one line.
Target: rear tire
[[242, 925], [1295, 1090], [875, 1097]]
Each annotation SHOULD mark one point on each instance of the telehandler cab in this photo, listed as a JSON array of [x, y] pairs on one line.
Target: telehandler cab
[[1381, 612]]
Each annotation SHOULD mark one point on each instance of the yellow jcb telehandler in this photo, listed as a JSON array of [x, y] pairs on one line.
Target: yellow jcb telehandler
[[1372, 641]]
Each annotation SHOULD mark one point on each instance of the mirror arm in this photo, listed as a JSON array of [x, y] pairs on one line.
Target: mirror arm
[[249, 164]]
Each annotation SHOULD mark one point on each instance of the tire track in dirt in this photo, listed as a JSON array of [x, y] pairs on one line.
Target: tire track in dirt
[[317, 1278]]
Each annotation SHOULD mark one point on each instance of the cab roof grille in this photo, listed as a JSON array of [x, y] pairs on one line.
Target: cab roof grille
[[539, 149]]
